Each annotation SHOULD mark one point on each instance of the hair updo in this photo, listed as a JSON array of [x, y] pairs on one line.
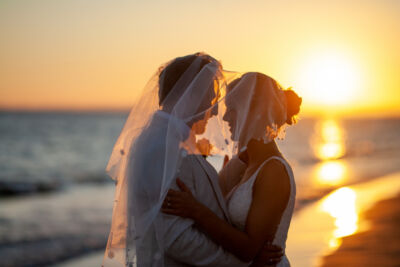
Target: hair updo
[[293, 103]]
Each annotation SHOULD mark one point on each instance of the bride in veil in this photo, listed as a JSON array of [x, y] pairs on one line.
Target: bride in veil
[[172, 121], [261, 204]]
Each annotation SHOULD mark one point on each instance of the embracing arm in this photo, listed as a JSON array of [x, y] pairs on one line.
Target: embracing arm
[[195, 248], [187, 244], [270, 196]]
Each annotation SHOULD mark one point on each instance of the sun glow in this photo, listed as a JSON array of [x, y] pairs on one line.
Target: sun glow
[[329, 79], [341, 205], [331, 173], [329, 141]]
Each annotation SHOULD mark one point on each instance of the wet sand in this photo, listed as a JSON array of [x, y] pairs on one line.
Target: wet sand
[[352, 226], [90, 260], [378, 246]]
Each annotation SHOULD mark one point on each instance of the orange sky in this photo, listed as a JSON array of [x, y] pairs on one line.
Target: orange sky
[[97, 54]]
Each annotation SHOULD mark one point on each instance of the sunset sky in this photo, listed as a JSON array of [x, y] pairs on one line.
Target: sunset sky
[[341, 56]]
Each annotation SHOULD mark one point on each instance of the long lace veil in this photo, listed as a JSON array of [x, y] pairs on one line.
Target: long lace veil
[[189, 106], [176, 114]]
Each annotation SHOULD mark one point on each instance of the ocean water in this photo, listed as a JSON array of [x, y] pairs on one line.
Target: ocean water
[[49, 150], [55, 196], [45, 151]]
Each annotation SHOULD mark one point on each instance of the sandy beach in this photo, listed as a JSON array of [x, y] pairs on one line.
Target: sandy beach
[[351, 226], [378, 246]]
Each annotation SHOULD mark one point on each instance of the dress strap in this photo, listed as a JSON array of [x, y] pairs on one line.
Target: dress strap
[[254, 176], [251, 180]]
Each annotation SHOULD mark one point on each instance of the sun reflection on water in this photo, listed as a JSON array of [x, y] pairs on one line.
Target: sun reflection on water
[[318, 230], [331, 150], [328, 143], [331, 173], [341, 205]]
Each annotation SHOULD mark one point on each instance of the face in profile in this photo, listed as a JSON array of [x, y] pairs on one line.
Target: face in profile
[[207, 109], [230, 117], [233, 107], [255, 108], [238, 124]]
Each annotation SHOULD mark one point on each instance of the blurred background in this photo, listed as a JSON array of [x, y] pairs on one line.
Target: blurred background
[[70, 71]]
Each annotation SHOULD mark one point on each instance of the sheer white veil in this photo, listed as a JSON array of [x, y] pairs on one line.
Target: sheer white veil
[[176, 110], [189, 106], [255, 109]]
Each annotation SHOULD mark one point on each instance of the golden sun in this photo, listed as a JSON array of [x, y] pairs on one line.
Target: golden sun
[[329, 79]]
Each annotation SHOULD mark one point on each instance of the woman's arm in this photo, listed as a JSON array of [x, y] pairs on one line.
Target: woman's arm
[[270, 196]]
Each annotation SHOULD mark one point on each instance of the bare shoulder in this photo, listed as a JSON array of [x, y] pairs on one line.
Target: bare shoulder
[[274, 177]]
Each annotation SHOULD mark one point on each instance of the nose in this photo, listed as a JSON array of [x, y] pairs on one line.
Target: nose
[[214, 110]]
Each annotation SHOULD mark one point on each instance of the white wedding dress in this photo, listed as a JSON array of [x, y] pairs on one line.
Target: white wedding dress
[[240, 198]]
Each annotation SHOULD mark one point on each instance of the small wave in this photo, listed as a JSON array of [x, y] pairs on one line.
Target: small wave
[[94, 178], [19, 187], [14, 188]]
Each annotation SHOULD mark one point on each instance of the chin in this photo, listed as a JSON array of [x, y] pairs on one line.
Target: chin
[[233, 137], [199, 130]]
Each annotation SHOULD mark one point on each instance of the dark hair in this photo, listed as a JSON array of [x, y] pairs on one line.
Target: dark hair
[[293, 102], [171, 73]]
